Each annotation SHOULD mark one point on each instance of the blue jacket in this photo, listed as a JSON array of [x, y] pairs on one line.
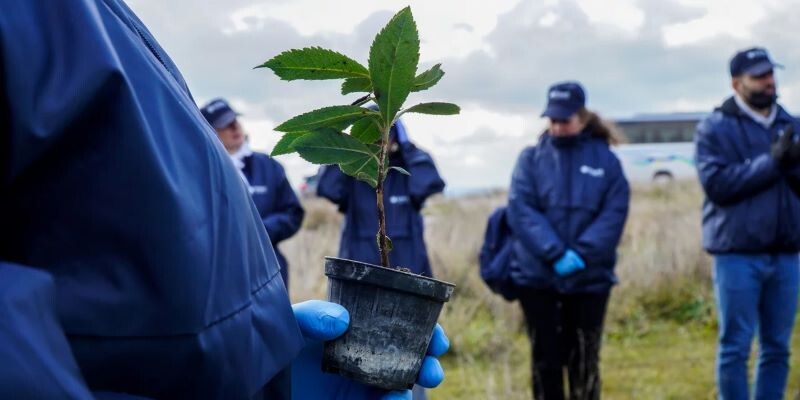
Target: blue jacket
[[571, 196], [113, 184], [749, 207], [275, 201], [404, 197]]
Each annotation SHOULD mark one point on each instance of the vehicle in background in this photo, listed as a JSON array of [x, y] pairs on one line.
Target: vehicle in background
[[659, 148], [308, 188]]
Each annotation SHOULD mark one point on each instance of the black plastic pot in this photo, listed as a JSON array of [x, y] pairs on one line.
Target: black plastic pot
[[392, 316]]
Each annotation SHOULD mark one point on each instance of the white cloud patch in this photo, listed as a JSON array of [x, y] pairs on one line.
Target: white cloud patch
[[499, 57], [441, 23]]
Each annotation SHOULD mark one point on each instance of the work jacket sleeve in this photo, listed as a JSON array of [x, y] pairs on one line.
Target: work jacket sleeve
[[424, 180], [332, 185], [37, 362], [285, 220], [727, 181], [597, 244], [527, 222]]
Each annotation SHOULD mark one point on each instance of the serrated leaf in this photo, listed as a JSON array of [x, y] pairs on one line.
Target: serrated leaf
[[366, 130], [364, 169], [435, 109], [284, 146], [401, 170], [332, 116], [428, 78], [328, 146], [314, 63], [393, 59], [355, 85]]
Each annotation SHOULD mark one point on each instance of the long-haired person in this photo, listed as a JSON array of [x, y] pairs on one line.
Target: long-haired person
[[568, 204]]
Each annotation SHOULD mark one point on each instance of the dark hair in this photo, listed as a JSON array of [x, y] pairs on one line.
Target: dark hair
[[600, 127]]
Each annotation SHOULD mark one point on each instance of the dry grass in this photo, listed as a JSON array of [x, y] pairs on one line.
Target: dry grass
[[660, 329]]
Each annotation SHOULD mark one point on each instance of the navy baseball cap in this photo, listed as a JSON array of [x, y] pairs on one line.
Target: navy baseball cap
[[754, 61], [218, 113], [564, 99]]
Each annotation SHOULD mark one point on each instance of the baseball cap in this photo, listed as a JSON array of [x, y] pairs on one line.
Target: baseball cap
[[218, 113], [564, 99], [753, 61]]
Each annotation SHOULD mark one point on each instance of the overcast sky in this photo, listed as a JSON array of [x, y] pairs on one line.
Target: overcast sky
[[499, 58]]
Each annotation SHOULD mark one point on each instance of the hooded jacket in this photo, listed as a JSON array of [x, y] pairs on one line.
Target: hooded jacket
[[114, 185], [749, 206], [567, 196]]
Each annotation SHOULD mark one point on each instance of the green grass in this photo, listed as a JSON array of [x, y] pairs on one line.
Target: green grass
[[668, 360]]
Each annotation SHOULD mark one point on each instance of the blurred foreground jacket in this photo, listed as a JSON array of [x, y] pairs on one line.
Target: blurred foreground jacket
[[116, 192]]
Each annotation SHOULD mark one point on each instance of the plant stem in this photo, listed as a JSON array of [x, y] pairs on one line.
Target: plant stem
[[382, 167]]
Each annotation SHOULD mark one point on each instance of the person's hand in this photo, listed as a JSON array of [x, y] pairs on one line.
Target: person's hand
[[322, 320], [569, 263], [786, 151]]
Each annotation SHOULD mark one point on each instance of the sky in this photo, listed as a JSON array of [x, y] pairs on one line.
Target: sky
[[499, 57]]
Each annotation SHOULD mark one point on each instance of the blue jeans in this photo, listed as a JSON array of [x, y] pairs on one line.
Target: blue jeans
[[755, 291]]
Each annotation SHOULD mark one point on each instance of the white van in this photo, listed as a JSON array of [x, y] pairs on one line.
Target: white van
[[659, 147]]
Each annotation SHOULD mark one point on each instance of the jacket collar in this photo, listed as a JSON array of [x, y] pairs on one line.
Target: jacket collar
[[730, 107]]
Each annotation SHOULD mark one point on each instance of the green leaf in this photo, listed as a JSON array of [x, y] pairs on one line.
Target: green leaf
[[393, 59], [314, 63], [401, 170], [366, 130], [333, 116], [365, 168], [328, 146], [284, 146], [355, 85], [428, 78], [389, 245], [435, 109]]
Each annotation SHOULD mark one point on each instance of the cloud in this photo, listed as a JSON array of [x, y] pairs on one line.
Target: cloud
[[499, 58]]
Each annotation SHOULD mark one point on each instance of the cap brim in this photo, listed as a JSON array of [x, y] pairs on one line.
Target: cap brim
[[558, 112], [761, 68], [225, 119]]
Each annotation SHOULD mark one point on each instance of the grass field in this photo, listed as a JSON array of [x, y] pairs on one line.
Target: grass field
[[660, 330]]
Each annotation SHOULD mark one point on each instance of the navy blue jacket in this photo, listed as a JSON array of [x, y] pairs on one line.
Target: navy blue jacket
[[404, 197], [572, 196], [749, 207], [275, 201], [113, 183]]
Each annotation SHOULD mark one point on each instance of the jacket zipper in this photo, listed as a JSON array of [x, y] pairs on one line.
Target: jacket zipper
[[154, 52]]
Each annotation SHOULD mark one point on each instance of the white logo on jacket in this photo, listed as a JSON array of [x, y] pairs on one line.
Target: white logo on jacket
[[595, 172], [398, 199], [258, 189]]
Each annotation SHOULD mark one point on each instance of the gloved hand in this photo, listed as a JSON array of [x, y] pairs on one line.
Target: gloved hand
[[322, 320], [569, 263], [786, 151]]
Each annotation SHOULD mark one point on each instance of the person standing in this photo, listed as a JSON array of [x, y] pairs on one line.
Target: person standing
[[746, 155], [404, 198], [272, 194], [568, 204]]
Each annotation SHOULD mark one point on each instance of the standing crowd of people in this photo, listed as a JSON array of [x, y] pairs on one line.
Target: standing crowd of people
[[139, 258]]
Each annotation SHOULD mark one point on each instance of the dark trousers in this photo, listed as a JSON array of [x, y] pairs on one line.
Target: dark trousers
[[565, 331]]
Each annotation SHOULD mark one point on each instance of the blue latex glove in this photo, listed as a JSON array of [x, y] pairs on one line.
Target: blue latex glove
[[569, 263], [322, 320]]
